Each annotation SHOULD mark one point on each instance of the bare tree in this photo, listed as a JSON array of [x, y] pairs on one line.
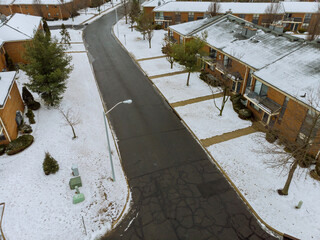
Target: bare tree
[[314, 26], [222, 86], [150, 28], [167, 49], [71, 119], [37, 6], [214, 8], [272, 13], [300, 149], [125, 9], [134, 12]]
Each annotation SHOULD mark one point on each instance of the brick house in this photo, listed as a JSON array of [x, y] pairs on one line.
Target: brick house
[[48, 9], [148, 6], [265, 66], [14, 34], [293, 15], [10, 103]]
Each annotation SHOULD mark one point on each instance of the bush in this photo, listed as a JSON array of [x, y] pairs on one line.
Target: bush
[[25, 128], [271, 137], [50, 165], [2, 149], [158, 27], [302, 30], [30, 116], [245, 113], [19, 144], [29, 100]]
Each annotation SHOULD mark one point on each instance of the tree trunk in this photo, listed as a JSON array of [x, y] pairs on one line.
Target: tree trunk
[[285, 189], [74, 133], [223, 101], [149, 42], [188, 79], [171, 64]]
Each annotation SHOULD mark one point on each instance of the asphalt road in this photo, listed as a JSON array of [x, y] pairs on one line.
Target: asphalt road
[[177, 191]]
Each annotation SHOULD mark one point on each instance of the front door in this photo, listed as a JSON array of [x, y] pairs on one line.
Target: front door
[[265, 118]]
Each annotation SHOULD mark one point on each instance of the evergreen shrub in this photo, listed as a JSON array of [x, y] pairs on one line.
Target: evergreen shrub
[[50, 165], [19, 144]]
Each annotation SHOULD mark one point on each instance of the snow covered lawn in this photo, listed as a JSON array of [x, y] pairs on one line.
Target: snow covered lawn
[[159, 66], [87, 14], [39, 206], [134, 43], [244, 161], [175, 89], [242, 158], [203, 119]]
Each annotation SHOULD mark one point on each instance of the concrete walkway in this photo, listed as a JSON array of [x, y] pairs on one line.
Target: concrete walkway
[[195, 100], [146, 59], [167, 74], [255, 127]]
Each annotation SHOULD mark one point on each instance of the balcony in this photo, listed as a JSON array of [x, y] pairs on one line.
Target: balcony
[[263, 102], [226, 70], [292, 20]]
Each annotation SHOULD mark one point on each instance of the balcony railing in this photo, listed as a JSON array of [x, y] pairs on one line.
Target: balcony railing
[[226, 70], [263, 102], [292, 20]]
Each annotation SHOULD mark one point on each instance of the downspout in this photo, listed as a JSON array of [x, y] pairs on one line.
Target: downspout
[[4, 127], [10, 8], [20, 9], [61, 17]]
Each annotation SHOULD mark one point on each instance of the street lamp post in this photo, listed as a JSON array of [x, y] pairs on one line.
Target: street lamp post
[[117, 21], [129, 101]]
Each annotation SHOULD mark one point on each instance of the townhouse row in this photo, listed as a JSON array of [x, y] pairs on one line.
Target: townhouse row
[[48, 9], [14, 34], [292, 15], [277, 74]]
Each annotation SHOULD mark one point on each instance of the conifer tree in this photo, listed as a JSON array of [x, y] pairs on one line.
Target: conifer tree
[[65, 36], [48, 68], [46, 29]]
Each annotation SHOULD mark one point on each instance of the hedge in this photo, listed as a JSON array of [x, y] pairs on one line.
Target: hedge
[[19, 144]]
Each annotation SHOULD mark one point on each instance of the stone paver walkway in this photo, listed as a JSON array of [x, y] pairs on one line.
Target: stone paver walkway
[[195, 100], [167, 74], [145, 59]]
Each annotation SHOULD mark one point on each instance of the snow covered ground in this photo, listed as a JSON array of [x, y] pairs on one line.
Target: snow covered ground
[[87, 15], [159, 66], [242, 158], [40, 206]]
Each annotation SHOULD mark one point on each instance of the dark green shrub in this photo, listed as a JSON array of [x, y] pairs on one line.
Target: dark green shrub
[[302, 30], [9, 62], [19, 144], [202, 76], [237, 106], [235, 97], [30, 116], [25, 128], [158, 27], [245, 113], [50, 165], [2, 149], [271, 137], [29, 100]]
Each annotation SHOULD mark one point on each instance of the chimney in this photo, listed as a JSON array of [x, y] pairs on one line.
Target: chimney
[[248, 31]]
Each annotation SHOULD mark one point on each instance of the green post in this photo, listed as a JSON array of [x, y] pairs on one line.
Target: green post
[[109, 148], [299, 205]]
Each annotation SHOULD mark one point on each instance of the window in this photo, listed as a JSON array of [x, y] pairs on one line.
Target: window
[[260, 89], [227, 62], [242, 16], [213, 53], [26, 7], [310, 126], [159, 15], [255, 18], [283, 109], [49, 14], [307, 18], [254, 106], [177, 17], [190, 16]]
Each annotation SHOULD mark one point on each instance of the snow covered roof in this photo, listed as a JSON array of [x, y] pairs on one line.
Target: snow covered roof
[[19, 27], [6, 2], [6, 80], [224, 33], [45, 2], [155, 3], [234, 7], [300, 7], [296, 75]]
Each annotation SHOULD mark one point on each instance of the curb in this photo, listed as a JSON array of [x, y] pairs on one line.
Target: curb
[[262, 222], [121, 215]]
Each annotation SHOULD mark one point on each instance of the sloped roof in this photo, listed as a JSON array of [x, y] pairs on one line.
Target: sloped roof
[[19, 27], [6, 80], [224, 33], [6, 2], [45, 2], [300, 7], [234, 7], [296, 75], [155, 3]]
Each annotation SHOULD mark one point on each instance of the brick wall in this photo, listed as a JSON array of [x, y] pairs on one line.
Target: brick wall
[[15, 50], [8, 113]]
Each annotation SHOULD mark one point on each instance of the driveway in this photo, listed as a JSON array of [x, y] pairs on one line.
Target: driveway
[[178, 193]]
